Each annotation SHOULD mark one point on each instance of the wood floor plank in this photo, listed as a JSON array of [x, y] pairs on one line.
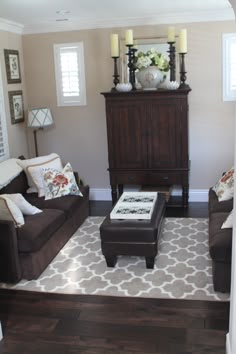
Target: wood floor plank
[[56, 323], [44, 323]]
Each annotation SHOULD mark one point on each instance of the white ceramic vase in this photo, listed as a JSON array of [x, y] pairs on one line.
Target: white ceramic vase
[[150, 78]]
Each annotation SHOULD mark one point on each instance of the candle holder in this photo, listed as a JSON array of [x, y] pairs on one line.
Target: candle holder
[[115, 75], [183, 72], [172, 64], [131, 66]]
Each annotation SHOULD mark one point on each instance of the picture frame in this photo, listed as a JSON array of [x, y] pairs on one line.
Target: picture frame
[[145, 44], [16, 106], [12, 62]]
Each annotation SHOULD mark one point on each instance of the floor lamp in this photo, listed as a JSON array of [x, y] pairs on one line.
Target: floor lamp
[[39, 118]]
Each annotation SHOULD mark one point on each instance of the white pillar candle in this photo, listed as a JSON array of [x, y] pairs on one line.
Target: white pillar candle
[[171, 34], [129, 37], [183, 41], [114, 45]]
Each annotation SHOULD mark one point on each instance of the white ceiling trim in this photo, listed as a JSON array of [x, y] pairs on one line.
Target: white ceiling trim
[[10, 26], [76, 24]]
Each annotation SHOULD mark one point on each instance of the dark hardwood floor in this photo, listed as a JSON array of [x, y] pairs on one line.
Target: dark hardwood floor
[[194, 210], [41, 323]]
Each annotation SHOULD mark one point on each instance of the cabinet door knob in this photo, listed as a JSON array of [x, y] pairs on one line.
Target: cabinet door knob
[[165, 178], [131, 178]]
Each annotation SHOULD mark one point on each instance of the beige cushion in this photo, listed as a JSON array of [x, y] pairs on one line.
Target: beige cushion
[[9, 169], [228, 223], [10, 211], [25, 207], [34, 161], [35, 172], [224, 188], [59, 183]]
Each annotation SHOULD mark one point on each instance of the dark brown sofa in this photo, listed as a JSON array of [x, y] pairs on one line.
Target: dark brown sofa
[[220, 242], [26, 251]]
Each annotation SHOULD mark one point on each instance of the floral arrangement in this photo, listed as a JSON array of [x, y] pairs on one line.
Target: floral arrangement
[[151, 58]]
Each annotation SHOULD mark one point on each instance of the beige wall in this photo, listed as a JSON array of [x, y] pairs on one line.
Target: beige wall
[[16, 132], [79, 133]]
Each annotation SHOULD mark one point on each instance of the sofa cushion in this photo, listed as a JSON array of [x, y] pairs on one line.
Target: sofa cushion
[[59, 183], [220, 240], [17, 185], [10, 211], [35, 172], [38, 229], [224, 188], [228, 223], [9, 169], [25, 207], [66, 203], [215, 206], [31, 162]]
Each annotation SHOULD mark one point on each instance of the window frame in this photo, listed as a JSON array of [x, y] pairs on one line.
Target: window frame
[[79, 100], [228, 39]]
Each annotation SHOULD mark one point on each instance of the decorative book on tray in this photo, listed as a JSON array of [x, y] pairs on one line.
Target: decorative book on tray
[[134, 205]]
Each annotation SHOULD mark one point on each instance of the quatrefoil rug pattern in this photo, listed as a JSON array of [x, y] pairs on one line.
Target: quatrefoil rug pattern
[[182, 267]]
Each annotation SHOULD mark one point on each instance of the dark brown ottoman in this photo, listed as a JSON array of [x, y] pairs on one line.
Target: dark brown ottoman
[[132, 237]]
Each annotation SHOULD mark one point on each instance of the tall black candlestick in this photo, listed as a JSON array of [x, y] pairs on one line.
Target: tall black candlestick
[[115, 75], [183, 72], [171, 52], [131, 66]]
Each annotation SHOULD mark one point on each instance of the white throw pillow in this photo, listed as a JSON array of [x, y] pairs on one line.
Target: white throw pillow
[[224, 188], [10, 211], [59, 183], [35, 172], [228, 223], [34, 161], [25, 207]]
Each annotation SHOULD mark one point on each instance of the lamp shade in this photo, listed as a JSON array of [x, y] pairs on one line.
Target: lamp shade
[[39, 118]]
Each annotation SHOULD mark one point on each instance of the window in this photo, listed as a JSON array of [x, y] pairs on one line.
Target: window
[[4, 149], [229, 67], [70, 75]]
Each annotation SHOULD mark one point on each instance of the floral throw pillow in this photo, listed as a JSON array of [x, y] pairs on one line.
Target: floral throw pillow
[[224, 188], [59, 183]]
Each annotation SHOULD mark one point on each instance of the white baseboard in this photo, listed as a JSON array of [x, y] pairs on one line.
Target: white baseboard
[[195, 195], [228, 349]]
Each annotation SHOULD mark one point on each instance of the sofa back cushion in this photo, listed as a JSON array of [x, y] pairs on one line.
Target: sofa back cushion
[[17, 185]]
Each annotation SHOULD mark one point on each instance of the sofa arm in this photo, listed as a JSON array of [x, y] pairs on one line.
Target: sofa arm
[[10, 270]]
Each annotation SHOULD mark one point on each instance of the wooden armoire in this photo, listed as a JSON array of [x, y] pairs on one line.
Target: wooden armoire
[[147, 134]]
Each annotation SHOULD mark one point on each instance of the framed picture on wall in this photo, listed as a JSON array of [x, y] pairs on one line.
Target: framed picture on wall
[[16, 106], [12, 66]]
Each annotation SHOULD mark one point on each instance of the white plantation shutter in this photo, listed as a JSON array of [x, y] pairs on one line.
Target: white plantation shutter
[[70, 75], [4, 150], [229, 67]]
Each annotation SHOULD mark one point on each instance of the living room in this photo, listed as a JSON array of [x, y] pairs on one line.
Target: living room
[[79, 133]]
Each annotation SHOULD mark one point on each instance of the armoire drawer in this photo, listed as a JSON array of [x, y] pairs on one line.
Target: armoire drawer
[[128, 177], [165, 178]]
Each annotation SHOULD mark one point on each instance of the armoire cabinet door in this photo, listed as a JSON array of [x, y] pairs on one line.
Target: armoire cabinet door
[[165, 137], [127, 141]]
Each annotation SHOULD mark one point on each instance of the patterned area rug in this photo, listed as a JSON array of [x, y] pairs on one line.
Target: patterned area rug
[[182, 268]]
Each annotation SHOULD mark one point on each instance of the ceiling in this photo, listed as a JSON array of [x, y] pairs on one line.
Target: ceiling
[[37, 16]]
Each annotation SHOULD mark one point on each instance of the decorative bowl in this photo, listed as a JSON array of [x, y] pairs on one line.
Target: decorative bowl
[[172, 85], [124, 87]]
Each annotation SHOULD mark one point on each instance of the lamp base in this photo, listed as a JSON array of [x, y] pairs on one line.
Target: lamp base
[[35, 143]]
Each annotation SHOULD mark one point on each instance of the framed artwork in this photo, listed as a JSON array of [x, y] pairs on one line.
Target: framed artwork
[[16, 106], [12, 66]]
